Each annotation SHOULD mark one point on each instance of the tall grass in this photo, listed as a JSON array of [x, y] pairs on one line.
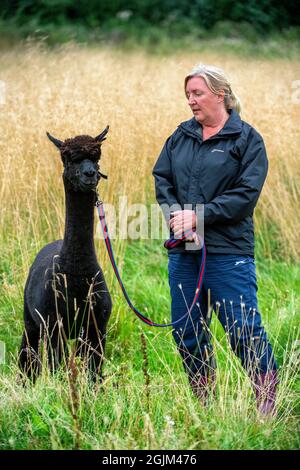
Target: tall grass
[[73, 90], [145, 401]]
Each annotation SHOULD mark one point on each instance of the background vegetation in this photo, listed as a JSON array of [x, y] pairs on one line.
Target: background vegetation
[[264, 15], [145, 401], [155, 24]]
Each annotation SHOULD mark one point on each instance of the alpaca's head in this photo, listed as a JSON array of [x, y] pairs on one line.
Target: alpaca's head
[[80, 157]]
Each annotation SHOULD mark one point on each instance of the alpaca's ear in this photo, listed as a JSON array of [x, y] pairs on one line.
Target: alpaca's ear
[[101, 136], [57, 143]]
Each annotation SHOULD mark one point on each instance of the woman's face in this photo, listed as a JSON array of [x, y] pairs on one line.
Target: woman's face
[[203, 102]]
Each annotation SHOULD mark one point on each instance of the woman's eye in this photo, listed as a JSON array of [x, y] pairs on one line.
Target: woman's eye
[[197, 94]]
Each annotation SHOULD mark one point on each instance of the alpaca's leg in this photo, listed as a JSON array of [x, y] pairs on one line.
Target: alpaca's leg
[[95, 353], [56, 348], [29, 360]]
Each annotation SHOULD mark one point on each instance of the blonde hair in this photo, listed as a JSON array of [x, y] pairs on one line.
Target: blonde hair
[[216, 81]]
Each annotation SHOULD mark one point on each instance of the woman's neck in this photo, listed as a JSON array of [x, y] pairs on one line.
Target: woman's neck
[[213, 126], [215, 122]]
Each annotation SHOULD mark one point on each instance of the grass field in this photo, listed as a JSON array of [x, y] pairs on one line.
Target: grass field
[[145, 401]]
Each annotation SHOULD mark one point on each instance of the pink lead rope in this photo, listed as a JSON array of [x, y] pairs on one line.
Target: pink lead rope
[[168, 244]]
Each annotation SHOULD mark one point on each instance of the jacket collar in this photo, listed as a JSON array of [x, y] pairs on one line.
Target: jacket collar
[[233, 126]]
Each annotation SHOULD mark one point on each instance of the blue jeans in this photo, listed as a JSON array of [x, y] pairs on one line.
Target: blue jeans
[[231, 280]]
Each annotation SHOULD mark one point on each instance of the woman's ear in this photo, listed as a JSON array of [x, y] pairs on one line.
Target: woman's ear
[[221, 96]]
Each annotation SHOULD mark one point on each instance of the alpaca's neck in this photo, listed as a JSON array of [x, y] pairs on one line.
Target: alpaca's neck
[[78, 255]]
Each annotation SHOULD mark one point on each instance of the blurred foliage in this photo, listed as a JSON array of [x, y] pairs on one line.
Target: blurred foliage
[[262, 16]]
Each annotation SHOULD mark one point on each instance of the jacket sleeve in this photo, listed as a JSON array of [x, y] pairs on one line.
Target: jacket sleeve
[[164, 185], [239, 202]]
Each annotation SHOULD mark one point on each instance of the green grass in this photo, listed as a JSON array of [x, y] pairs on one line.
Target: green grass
[[145, 401]]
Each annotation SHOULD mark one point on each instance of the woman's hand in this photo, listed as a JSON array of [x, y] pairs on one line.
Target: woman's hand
[[183, 221]]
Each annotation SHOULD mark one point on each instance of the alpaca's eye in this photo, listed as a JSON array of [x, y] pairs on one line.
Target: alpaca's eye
[[77, 173]]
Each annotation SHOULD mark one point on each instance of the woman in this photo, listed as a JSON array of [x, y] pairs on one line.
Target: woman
[[216, 165]]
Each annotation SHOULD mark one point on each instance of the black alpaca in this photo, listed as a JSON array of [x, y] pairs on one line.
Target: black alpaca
[[66, 296]]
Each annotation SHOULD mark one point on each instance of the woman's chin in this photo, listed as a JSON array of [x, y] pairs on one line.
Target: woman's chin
[[198, 116]]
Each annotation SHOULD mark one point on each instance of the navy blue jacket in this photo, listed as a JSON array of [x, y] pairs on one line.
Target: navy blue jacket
[[224, 173]]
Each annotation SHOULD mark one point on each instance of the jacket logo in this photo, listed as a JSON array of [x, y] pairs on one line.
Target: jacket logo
[[217, 150], [240, 262]]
